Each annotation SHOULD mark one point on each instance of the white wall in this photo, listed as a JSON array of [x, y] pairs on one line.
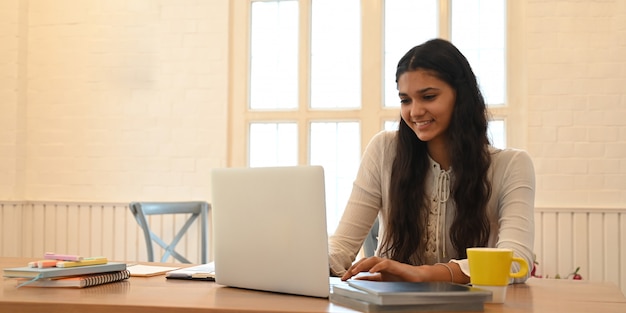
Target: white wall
[[9, 58], [125, 100], [577, 101], [119, 100]]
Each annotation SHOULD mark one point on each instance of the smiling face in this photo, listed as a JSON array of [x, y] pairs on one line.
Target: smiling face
[[427, 103]]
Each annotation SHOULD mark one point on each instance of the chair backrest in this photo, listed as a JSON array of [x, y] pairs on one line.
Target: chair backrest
[[371, 241], [195, 209]]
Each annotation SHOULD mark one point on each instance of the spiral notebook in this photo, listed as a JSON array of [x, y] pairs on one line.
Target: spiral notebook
[[78, 281]]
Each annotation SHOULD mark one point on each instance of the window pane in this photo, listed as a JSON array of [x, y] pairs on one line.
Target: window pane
[[335, 54], [336, 147], [407, 24], [478, 30], [497, 133], [273, 144], [391, 125], [274, 55]]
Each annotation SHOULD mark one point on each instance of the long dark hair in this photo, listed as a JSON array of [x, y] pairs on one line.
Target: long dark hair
[[469, 151]]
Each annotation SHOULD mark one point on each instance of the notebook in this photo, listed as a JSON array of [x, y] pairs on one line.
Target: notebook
[[270, 229], [81, 281]]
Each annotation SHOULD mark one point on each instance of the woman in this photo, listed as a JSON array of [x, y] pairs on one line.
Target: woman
[[436, 184]]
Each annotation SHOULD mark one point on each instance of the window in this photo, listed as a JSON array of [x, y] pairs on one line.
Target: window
[[274, 55], [313, 80], [335, 54], [405, 28]]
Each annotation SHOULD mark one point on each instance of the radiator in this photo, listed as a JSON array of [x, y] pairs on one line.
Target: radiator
[[89, 229], [592, 239]]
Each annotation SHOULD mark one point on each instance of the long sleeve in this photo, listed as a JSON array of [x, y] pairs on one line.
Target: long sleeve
[[369, 194], [516, 180], [511, 207]]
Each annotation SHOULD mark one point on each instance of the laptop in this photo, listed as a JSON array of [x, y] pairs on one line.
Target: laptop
[[269, 229]]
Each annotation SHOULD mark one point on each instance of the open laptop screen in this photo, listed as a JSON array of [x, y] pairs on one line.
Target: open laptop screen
[[269, 229]]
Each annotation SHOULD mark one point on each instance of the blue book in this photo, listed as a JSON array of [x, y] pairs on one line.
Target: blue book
[[49, 272]]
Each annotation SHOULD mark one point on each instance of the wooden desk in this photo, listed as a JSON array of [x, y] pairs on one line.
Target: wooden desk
[[157, 294]]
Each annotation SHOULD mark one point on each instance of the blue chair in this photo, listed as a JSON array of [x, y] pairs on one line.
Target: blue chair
[[195, 209], [371, 241]]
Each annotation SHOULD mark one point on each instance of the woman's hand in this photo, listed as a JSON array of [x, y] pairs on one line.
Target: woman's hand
[[386, 270]]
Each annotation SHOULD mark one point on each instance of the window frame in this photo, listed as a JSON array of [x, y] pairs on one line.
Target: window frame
[[372, 114]]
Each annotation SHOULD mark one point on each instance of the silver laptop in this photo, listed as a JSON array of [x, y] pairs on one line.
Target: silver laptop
[[269, 229]]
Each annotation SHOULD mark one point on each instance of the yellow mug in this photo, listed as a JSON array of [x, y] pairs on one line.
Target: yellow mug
[[492, 266]]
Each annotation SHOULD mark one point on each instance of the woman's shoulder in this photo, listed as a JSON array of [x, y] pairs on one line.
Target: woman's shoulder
[[384, 139], [381, 146], [507, 152], [508, 156], [386, 135]]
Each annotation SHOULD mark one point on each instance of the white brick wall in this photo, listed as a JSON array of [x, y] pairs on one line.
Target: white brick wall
[[9, 45], [126, 99], [577, 101]]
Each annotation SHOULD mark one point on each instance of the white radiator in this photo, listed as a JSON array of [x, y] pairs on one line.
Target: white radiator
[[89, 229], [594, 239]]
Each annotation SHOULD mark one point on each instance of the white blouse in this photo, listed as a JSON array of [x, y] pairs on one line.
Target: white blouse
[[510, 207]]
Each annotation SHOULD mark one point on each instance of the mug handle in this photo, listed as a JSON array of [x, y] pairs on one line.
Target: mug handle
[[522, 270]]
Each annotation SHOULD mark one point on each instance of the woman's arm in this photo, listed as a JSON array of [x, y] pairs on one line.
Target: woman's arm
[[516, 207], [362, 208], [390, 270]]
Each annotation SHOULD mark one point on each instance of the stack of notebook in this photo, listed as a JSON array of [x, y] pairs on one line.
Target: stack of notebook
[[57, 270], [375, 296]]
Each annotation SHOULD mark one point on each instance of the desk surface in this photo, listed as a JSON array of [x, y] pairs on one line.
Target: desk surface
[[148, 294]]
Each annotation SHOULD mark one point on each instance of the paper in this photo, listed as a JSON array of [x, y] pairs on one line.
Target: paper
[[198, 272], [149, 270]]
